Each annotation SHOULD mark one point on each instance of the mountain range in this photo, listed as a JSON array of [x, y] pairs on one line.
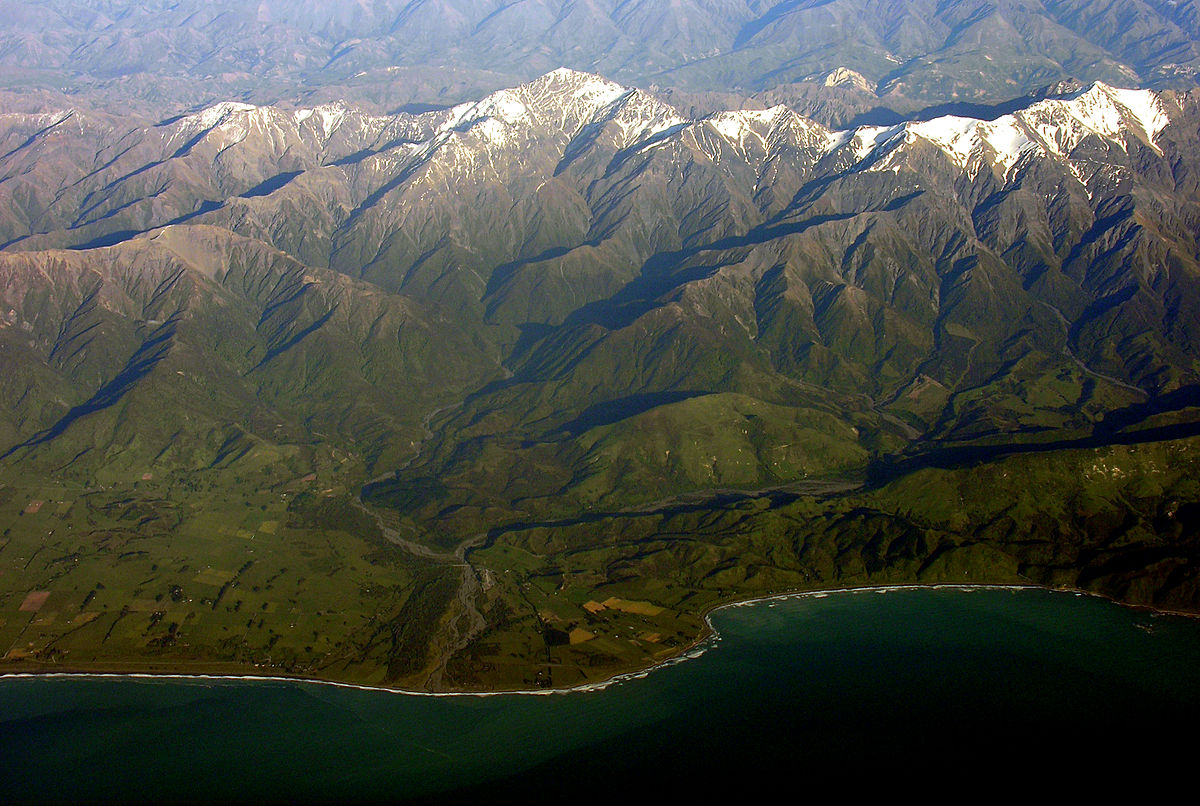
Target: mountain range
[[893, 55], [572, 303]]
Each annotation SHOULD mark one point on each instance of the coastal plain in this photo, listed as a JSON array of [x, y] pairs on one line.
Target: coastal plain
[[296, 580]]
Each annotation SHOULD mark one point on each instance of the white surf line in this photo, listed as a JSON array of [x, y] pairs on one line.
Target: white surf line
[[823, 592], [691, 653]]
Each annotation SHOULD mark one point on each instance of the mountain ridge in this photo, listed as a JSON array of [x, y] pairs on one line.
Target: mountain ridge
[[413, 138]]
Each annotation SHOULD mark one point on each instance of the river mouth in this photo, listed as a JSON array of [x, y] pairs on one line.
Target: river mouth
[[945, 682]]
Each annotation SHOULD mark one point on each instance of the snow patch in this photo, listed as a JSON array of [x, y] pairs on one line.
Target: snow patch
[[641, 118], [958, 137], [492, 130], [215, 114], [962, 139], [504, 106], [331, 117], [867, 138], [587, 88], [1008, 141], [737, 126], [1146, 109]]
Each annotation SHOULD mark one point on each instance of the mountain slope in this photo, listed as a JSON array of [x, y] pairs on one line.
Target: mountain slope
[[948, 279], [172, 349]]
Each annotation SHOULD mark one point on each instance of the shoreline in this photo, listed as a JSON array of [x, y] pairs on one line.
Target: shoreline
[[709, 637]]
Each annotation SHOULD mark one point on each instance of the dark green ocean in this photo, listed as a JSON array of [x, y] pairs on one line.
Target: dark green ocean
[[947, 690]]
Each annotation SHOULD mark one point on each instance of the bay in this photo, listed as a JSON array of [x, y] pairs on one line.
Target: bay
[[910, 687]]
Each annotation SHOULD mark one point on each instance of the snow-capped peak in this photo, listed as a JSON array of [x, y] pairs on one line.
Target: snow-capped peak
[[585, 88], [1052, 126], [576, 110], [568, 100], [1109, 112], [564, 99]]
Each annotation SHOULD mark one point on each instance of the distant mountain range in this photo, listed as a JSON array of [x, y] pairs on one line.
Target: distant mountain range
[[898, 55]]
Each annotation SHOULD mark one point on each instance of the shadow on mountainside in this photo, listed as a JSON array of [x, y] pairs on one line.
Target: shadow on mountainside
[[1109, 431]]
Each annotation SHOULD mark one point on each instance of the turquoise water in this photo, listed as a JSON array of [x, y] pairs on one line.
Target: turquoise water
[[849, 689]]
